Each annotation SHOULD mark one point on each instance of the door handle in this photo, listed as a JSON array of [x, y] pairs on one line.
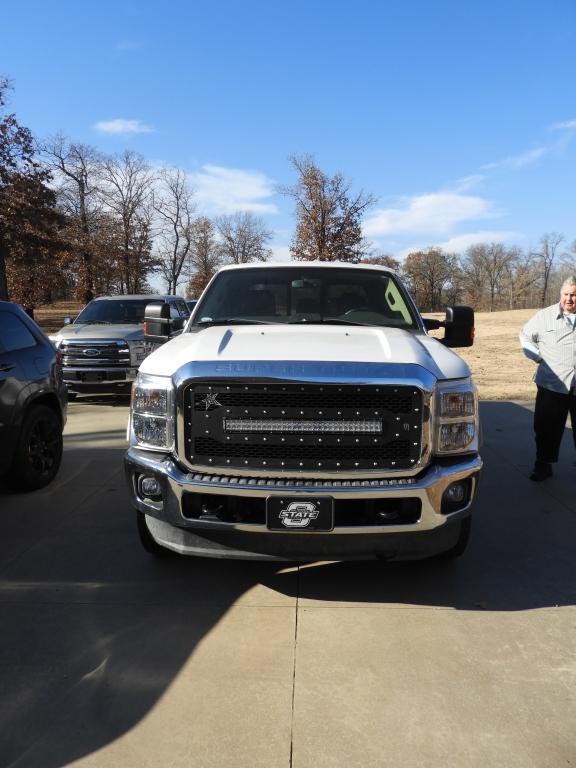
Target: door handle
[[6, 366]]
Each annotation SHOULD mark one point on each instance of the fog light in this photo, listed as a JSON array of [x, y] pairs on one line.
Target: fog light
[[455, 493], [456, 496], [149, 487]]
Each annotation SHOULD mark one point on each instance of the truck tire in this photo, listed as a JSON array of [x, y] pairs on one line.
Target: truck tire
[[146, 538], [38, 451]]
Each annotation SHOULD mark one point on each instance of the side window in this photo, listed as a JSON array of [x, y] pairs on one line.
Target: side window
[[174, 314], [14, 334], [184, 311]]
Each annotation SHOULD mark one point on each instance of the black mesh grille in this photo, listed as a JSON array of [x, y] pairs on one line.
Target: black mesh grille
[[299, 451], [208, 408], [315, 400]]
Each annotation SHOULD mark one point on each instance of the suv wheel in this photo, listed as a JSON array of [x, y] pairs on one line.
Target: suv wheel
[[39, 449]]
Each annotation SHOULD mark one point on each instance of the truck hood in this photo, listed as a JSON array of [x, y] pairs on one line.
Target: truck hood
[[306, 343], [80, 331]]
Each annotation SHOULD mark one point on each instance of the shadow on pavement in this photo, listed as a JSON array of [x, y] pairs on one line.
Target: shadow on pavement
[[94, 630]]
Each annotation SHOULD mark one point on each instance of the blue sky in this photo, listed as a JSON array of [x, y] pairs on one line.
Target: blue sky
[[459, 116]]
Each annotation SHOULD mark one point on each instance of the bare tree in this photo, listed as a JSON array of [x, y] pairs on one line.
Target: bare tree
[[473, 276], [173, 201], [243, 238], [76, 169], [487, 266], [428, 273], [383, 260], [126, 189], [205, 255], [546, 254], [522, 275], [328, 218]]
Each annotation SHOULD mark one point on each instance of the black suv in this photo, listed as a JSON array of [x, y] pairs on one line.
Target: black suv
[[32, 401]]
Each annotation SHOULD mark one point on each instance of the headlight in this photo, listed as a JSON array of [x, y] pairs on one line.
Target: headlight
[[139, 350], [152, 413], [456, 417], [56, 340]]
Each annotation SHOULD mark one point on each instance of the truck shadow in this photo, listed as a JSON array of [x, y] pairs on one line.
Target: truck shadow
[[95, 631]]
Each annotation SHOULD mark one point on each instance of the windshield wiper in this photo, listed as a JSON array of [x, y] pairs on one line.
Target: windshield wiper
[[94, 322], [233, 321], [328, 321]]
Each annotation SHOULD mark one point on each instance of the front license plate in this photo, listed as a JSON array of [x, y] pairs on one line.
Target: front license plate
[[293, 513]]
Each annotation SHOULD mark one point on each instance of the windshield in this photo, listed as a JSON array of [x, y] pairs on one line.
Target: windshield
[[114, 311], [306, 295]]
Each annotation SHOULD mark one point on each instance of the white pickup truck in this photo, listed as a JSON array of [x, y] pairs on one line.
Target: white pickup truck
[[303, 414]]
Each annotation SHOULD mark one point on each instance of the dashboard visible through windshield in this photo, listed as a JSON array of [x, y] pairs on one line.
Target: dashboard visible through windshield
[[297, 295]]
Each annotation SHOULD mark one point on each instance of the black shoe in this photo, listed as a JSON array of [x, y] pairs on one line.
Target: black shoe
[[542, 471]]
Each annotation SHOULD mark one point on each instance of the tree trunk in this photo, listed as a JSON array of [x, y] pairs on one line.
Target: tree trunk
[[3, 281]]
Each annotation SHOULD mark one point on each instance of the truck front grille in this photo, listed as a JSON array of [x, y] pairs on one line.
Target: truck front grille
[[95, 354], [303, 427]]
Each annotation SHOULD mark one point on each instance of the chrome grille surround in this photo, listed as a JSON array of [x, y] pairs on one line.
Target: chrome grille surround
[[362, 376], [107, 352]]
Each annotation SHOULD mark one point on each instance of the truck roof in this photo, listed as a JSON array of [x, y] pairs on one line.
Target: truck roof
[[150, 296], [307, 265]]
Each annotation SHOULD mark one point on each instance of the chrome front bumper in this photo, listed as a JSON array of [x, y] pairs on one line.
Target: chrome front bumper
[[171, 529], [110, 376]]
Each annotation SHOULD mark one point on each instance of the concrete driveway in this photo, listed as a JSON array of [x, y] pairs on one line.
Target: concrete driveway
[[109, 657]]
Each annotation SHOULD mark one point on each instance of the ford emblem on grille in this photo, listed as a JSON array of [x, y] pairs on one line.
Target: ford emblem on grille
[[91, 352], [210, 400]]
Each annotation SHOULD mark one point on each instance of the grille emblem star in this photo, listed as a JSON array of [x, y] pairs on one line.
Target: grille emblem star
[[210, 400]]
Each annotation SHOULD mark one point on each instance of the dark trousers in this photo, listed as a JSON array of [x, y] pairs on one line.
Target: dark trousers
[[550, 414]]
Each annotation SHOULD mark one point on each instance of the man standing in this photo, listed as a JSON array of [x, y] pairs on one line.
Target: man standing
[[549, 338]]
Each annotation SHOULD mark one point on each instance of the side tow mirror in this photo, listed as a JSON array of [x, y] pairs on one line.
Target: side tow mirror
[[68, 320], [157, 323], [459, 325]]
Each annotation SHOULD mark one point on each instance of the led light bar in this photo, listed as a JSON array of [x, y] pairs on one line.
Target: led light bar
[[324, 426]]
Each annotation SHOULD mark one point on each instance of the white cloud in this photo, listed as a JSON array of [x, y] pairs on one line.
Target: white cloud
[[567, 125], [122, 126], [436, 212], [460, 243], [469, 182], [227, 190], [518, 161]]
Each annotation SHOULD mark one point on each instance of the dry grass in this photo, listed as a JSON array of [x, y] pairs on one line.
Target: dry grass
[[50, 317], [500, 369], [498, 365]]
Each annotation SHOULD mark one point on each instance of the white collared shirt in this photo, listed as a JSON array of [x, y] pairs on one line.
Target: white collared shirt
[[549, 338]]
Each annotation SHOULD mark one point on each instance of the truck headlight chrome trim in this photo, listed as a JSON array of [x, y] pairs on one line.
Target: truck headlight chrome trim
[[152, 413], [456, 417]]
